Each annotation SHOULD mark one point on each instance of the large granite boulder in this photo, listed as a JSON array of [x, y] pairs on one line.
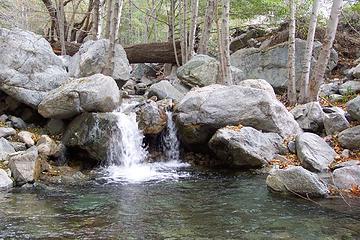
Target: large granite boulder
[[164, 90], [346, 177], [335, 121], [296, 180], [151, 117], [28, 66], [202, 70], [259, 84], [92, 133], [22, 166], [271, 63], [353, 108], [92, 58], [202, 111], [246, 147], [350, 138], [313, 152], [97, 93], [309, 116]]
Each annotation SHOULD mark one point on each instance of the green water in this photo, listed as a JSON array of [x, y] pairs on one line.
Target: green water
[[203, 205]]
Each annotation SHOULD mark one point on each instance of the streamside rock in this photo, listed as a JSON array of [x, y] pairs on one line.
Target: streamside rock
[[92, 59], [309, 116], [6, 132], [350, 138], [202, 70], [355, 71], [202, 111], [335, 122], [22, 166], [246, 147], [97, 93], [346, 177], [353, 108], [92, 133], [164, 90], [298, 180], [5, 149], [28, 66], [259, 84], [152, 119], [271, 63], [47, 146], [27, 138], [350, 87], [5, 181], [313, 152]]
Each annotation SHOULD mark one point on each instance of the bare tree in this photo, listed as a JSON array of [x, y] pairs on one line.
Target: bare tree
[[304, 89], [192, 30], [183, 31], [225, 44], [291, 93], [209, 18], [109, 5], [95, 19], [61, 25], [323, 59]]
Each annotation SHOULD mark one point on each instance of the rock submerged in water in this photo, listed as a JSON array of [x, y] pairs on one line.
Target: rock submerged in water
[[202, 111], [97, 93], [29, 69], [245, 147], [313, 152], [296, 180]]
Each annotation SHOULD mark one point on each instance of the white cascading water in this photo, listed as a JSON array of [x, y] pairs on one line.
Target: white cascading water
[[127, 155]]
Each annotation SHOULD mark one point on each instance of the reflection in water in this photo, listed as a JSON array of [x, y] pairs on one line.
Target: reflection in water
[[197, 206]]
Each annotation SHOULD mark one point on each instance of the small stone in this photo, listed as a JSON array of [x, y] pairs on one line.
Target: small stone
[[292, 146], [335, 98], [5, 149], [17, 122], [350, 138], [18, 146], [5, 180], [346, 153], [26, 137], [46, 146], [6, 132], [4, 118], [309, 116]]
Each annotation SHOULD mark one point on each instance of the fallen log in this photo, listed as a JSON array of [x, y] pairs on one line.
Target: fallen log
[[162, 52]]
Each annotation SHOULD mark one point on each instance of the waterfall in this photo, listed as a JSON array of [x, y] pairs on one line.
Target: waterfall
[[169, 140]]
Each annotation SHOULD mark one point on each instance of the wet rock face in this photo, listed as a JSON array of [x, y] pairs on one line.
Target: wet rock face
[[271, 63], [246, 147], [152, 118], [97, 93], [91, 59], [296, 180], [202, 111], [313, 152], [91, 132], [28, 66]]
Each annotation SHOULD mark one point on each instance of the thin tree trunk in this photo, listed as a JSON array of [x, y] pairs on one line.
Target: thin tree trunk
[[121, 4], [95, 19], [172, 33], [72, 19], [53, 15], [130, 35], [209, 18], [61, 26], [304, 89], [291, 93], [192, 30], [101, 18], [225, 39], [185, 31], [323, 59], [108, 19]]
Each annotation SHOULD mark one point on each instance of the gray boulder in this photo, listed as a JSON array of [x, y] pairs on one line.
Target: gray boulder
[[242, 40], [296, 180], [203, 70], [350, 87], [355, 71], [309, 116], [164, 89], [151, 118], [47, 146], [91, 132], [335, 122], [97, 93], [313, 152], [92, 58], [353, 108], [202, 111], [346, 177], [27, 138], [6, 132], [5, 149], [259, 84], [5, 181], [246, 147], [22, 166], [17, 122], [350, 138], [271, 63], [328, 89], [55, 126], [28, 66]]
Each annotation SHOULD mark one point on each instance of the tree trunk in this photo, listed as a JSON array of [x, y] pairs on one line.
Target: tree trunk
[[72, 20], [121, 4], [183, 30], [209, 18], [109, 68], [291, 91], [323, 59], [53, 15], [61, 26], [101, 18], [225, 44], [108, 19], [192, 30], [304, 89], [95, 19]]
